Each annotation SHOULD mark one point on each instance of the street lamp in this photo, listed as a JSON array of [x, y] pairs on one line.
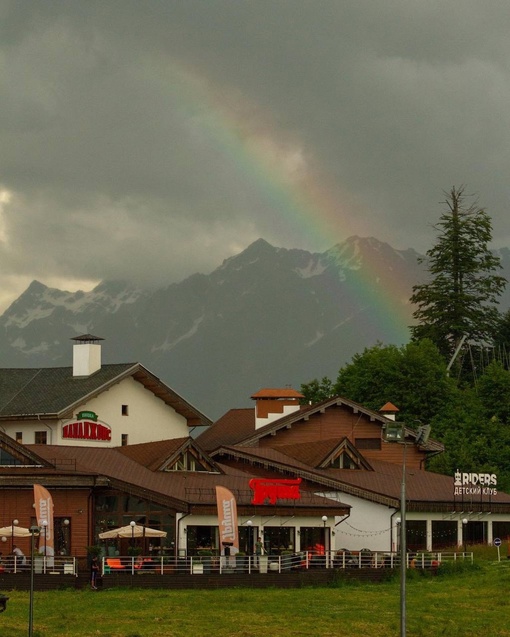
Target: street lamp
[[34, 530], [14, 523], [66, 536], [132, 524], [44, 524], [464, 533], [249, 524], [324, 520]]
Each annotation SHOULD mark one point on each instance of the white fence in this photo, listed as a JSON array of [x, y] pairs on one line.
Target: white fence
[[203, 564], [47, 565]]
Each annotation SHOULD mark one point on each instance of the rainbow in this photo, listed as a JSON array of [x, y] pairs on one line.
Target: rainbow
[[309, 204]]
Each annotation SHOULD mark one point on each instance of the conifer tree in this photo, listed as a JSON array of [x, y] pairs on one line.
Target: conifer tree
[[461, 295]]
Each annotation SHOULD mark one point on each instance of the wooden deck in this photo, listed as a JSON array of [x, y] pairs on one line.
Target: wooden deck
[[316, 577]]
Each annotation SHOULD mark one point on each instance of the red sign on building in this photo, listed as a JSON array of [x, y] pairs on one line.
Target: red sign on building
[[86, 427], [273, 490]]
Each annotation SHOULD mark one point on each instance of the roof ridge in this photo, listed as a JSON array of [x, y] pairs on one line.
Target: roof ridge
[[21, 389]]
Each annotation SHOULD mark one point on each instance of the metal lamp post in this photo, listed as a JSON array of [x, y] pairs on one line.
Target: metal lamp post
[[132, 524], [65, 536], [464, 534], [324, 521], [34, 530], [44, 525], [249, 524], [396, 432], [14, 523]]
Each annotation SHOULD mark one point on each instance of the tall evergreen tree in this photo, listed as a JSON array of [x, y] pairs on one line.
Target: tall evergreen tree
[[461, 295]]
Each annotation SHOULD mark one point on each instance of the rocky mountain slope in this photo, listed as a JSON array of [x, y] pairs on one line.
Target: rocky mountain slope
[[266, 317]]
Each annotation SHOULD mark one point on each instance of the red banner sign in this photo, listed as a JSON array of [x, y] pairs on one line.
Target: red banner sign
[[87, 430], [264, 489]]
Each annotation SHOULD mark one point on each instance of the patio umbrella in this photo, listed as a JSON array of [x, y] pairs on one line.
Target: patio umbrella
[[16, 531], [132, 531]]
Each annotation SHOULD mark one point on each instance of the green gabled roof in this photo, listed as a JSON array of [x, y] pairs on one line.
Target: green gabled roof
[[51, 391]]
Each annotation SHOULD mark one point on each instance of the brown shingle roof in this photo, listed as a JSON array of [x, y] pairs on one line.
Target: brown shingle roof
[[383, 484], [231, 428], [277, 393], [152, 454], [316, 453], [310, 453], [421, 485], [180, 489]]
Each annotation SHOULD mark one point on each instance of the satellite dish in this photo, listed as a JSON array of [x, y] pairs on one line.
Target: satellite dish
[[422, 434]]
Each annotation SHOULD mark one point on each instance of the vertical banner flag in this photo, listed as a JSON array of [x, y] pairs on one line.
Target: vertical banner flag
[[227, 521], [44, 512]]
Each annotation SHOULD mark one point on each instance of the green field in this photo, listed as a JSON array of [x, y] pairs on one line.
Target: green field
[[469, 602]]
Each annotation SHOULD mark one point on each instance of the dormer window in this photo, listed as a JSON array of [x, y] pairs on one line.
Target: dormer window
[[186, 462], [344, 461]]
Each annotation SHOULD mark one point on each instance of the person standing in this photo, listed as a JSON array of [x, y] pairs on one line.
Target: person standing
[[258, 550], [19, 556], [94, 572]]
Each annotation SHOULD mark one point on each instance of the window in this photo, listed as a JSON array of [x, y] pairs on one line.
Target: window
[[41, 437], [344, 461], [202, 537], [444, 534], [416, 535], [62, 533], [368, 443], [6, 459], [187, 462], [125, 410], [19, 437], [124, 440]]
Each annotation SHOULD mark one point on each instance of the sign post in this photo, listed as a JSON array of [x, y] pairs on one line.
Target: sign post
[[497, 542]]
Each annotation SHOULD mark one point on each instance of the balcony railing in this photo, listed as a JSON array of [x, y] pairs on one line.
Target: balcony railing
[[61, 565], [203, 564]]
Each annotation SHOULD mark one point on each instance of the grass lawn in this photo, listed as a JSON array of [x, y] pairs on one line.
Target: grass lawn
[[470, 602]]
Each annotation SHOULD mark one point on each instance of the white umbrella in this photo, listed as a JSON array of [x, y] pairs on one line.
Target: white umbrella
[[16, 531], [132, 531]]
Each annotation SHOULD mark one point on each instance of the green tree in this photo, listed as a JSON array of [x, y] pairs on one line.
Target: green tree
[[413, 377], [460, 297], [316, 391], [493, 390]]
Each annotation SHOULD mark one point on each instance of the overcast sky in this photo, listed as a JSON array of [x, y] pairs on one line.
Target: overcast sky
[[151, 139]]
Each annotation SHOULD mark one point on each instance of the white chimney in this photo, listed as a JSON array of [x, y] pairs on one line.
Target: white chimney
[[389, 411], [86, 355], [273, 404]]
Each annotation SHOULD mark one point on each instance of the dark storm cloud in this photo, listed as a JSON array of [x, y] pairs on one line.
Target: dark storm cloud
[[121, 124]]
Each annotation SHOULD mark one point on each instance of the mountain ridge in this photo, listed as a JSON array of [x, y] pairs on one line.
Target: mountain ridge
[[268, 316]]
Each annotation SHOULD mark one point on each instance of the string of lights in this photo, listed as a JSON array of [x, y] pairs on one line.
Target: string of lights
[[418, 533]]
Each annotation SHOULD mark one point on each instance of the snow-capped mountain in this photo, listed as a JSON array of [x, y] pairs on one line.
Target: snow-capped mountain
[[266, 317]]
